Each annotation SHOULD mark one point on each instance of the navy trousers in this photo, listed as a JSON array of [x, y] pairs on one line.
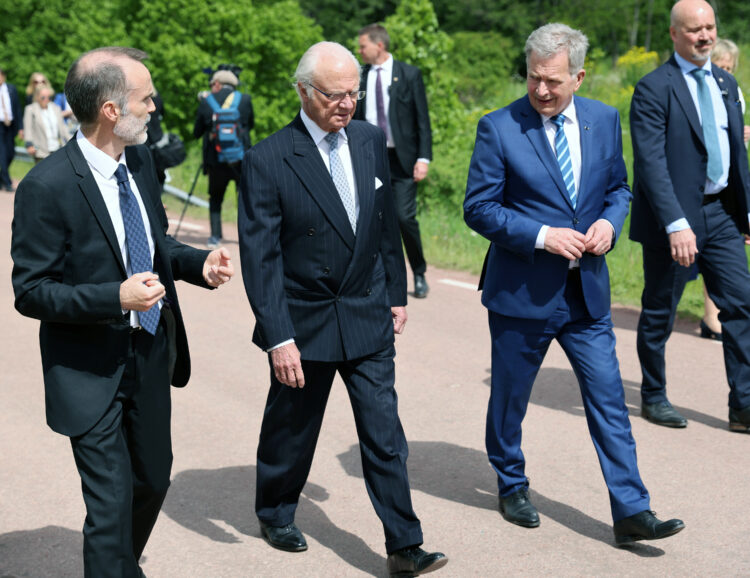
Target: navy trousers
[[289, 433], [7, 152], [723, 263], [518, 349], [125, 461]]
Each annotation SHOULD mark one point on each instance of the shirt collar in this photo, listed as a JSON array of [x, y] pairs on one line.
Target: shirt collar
[[387, 66], [317, 133], [687, 67], [100, 161], [569, 112]]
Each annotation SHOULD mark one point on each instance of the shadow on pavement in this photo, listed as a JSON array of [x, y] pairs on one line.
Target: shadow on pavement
[[49, 551], [463, 475], [198, 497]]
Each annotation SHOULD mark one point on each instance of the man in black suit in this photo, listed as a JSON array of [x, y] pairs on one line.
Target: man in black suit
[[11, 124], [92, 262], [395, 101], [691, 195], [223, 88], [325, 276]]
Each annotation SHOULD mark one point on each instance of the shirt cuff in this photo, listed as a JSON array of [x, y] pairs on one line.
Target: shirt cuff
[[282, 344], [678, 225], [541, 236], [425, 161]]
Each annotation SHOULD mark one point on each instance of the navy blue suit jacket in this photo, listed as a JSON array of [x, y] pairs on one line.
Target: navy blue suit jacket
[[306, 274], [67, 271], [670, 156], [515, 186]]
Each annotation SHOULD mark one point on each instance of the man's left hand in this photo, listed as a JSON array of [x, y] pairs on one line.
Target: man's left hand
[[399, 319], [598, 238], [420, 171], [218, 268]]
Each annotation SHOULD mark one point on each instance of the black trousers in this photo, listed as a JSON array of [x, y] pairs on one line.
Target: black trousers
[[125, 462], [7, 152], [289, 434], [723, 263], [405, 201], [219, 177]]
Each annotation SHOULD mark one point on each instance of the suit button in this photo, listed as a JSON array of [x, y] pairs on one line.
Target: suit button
[[575, 221], [368, 292], [374, 256], [326, 270], [702, 188], [380, 215], [310, 232], [338, 299]]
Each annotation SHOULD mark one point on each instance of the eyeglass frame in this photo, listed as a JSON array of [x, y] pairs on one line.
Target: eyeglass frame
[[339, 96]]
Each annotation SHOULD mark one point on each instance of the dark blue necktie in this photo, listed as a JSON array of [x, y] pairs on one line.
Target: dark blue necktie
[[135, 236], [714, 169], [563, 158], [380, 102]]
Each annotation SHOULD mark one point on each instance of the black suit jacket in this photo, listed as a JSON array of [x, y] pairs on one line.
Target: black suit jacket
[[67, 273], [670, 156], [407, 113], [306, 274], [204, 120]]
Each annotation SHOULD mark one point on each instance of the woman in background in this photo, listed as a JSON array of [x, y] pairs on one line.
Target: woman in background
[[44, 128]]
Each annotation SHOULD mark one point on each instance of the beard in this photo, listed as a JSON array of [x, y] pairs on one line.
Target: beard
[[131, 129]]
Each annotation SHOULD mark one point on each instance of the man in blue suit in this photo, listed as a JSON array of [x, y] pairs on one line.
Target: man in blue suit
[[325, 276], [11, 124], [691, 197], [547, 186]]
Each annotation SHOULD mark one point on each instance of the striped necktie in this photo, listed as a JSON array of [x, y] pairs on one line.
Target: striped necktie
[[339, 179], [563, 158]]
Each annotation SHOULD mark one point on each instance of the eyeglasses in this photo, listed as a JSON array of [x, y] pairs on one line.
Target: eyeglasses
[[338, 96], [44, 97]]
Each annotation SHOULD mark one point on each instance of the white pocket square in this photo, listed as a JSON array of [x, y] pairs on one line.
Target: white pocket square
[[378, 183]]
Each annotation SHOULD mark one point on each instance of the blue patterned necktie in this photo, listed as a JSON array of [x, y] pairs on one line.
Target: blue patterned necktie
[[339, 179], [708, 122], [135, 236], [563, 158]]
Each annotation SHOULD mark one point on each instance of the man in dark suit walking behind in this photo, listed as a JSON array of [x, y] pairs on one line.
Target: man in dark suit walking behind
[[92, 262], [691, 195], [11, 124], [395, 100], [325, 276]]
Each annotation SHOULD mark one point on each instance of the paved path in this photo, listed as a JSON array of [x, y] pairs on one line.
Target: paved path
[[208, 529]]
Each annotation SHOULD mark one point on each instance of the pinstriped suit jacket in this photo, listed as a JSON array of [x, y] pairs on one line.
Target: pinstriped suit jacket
[[306, 274]]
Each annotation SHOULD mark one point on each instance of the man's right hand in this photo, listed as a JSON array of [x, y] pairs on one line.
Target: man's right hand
[[141, 291], [568, 243], [287, 365], [683, 247]]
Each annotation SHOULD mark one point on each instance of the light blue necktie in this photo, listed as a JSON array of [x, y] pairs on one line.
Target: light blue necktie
[[563, 158], [339, 179], [135, 236], [708, 121]]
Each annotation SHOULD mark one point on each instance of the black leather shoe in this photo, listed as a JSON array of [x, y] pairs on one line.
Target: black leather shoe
[[287, 538], [739, 420], [421, 288], [414, 561], [644, 526], [518, 509], [662, 413], [707, 333]]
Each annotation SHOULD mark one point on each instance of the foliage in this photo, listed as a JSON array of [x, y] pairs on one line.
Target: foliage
[[480, 60], [636, 63], [342, 20]]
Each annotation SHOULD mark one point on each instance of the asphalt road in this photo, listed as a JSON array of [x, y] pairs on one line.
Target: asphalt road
[[208, 528]]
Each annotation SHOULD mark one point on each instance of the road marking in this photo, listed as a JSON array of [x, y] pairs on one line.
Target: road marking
[[188, 226], [470, 286]]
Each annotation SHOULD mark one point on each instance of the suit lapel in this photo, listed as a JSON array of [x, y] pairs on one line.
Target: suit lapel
[[532, 126], [682, 93], [732, 117], [311, 170], [397, 79], [586, 136], [93, 195]]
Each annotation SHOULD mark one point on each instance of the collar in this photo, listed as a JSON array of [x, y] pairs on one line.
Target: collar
[[317, 133], [387, 66], [687, 67], [97, 159]]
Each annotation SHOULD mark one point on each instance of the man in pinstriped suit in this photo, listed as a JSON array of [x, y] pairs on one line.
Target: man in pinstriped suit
[[325, 276]]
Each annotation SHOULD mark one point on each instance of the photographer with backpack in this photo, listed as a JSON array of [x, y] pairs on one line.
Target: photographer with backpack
[[224, 120]]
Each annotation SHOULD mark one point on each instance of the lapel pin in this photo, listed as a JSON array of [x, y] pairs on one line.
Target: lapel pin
[[395, 79]]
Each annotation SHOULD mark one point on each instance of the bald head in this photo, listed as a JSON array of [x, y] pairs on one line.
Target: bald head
[[96, 77], [693, 30]]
